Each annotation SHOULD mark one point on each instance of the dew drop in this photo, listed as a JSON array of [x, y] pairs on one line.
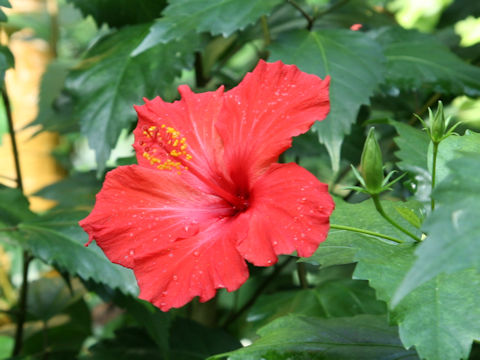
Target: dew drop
[[269, 261], [175, 277], [170, 255], [132, 252], [195, 253], [131, 234]]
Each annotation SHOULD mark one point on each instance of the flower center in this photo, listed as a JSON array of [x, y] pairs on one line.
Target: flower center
[[166, 149]]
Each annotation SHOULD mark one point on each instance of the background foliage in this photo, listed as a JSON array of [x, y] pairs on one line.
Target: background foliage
[[361, 295]]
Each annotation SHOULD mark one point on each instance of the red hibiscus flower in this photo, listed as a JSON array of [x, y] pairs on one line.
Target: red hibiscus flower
[[207, 193]]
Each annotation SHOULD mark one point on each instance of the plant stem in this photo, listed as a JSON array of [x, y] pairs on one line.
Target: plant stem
[[434, 172], [309, 19], [266, 32], [22, 302], [8, 110], [22, 305], [379, 207], [367, 232], [258, 292], [302, 275], [200, 79]]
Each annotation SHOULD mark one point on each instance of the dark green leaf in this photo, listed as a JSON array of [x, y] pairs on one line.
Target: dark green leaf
[[192, 341], [77, 190], [156, 322], [459, 10], [453, 228], [6, 60], [304, 338], [64, 335], [4, 3], [108, 82], [129, 343], [118, 13], [48, 297], [334, 298], [57, 239], [355, 64], [416, 60], [217, 17]]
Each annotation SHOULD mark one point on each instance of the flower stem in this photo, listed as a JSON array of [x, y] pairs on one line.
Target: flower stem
[[434, 171], [379, 207], [367, 232], [302, 275], [309, 19], [22, 301]]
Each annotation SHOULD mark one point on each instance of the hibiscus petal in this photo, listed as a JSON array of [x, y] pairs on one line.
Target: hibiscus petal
[[140, 209], [261, 115], [172, 136], [195, 266], [289, 211]]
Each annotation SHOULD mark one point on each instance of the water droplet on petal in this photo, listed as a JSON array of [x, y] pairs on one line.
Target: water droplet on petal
[[175, 277]]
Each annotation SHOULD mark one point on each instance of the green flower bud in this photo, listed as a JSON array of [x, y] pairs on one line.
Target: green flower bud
[[437, 124], [372, 164]]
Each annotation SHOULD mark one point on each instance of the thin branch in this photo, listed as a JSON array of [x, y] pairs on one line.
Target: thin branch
[[310, 20], [22, 302], [366, 232], [11, 129]]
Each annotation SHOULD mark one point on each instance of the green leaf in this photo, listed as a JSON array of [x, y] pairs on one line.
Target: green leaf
[[224, 17], [12, 215], [427, 317], [118, 13], [75, 191], [6, 346], [416, 60], [355, 64], [305, 338], [333, 298], [412, 147], [341, 246], [55, 107], [108, 82], [440, 318], [56, 238], [449, 150], [453, 228]]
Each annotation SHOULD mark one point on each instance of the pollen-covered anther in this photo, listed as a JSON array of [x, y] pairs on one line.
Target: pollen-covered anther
[[163, 143]]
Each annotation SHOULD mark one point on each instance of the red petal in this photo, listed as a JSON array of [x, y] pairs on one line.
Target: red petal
[[196, 266], [289, 211], [184, 128], [141, 209], [261, 115]]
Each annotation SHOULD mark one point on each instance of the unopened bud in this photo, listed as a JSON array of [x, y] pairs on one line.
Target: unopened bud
[[437, 124], [372, 164]]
